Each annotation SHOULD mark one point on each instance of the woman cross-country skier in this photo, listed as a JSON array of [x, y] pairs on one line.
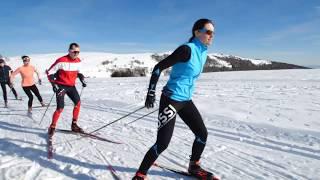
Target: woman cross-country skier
[[63, 74], [187, 63], [27, 71], [5, 72]]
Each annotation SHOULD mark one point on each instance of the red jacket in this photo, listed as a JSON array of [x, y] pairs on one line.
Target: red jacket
[[66, 70]]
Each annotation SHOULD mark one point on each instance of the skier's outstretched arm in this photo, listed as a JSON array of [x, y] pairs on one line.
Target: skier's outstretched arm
[[181, 54], [81, 78], [17, 71], [38, 76], [51, 75]]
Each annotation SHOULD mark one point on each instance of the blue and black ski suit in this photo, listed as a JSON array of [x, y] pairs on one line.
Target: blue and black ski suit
[[187, 63]]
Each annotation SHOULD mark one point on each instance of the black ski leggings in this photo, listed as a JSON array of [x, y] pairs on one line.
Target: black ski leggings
[[4, 90], [167, 117], [34, 89], [71, 92]]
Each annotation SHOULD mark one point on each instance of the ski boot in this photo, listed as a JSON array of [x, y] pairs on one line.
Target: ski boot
[[139, 176], [42, 104], [29, 110], [196, 171], [76, 128], [51, 131]]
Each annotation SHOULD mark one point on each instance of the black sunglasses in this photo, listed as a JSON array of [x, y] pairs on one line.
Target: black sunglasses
[[208, 32], [75, 52]]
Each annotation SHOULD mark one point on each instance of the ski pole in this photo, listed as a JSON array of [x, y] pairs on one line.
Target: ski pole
[[81, 91], [106, 124], [117, 120], [142, 117], [47, 108]]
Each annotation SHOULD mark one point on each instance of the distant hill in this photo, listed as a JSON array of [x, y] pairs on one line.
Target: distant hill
[[218, 62], [97, 64]]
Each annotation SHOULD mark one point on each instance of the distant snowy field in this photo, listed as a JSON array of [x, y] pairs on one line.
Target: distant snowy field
[[261, 124]]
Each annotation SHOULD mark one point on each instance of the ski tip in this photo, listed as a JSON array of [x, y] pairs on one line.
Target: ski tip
[[216, 178], [110, 168], [155, 164]]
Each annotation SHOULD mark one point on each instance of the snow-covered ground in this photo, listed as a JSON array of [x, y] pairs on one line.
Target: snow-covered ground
[[261, 124]]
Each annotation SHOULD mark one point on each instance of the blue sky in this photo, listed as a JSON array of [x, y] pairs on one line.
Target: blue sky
[[283, 30]]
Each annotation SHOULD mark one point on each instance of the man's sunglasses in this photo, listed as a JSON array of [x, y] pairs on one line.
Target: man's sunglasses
[[208, 32], [26, 60], [75, 52]]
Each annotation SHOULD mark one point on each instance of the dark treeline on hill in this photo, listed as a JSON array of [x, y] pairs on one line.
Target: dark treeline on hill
[[238, 64], [213, 64], [129, 72]]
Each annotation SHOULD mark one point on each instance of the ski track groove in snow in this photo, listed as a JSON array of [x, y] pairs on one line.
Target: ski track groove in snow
[[272, 164], [259, 126], [294, 149], [249, 137], [259, 167]]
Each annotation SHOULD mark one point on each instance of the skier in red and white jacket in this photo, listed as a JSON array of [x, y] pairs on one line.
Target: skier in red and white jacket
[[63, 74]]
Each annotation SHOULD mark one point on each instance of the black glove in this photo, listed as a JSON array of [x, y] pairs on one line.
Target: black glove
[[150, 99], [51, 77], [81, 78], [54, 87], [84, 83], [11, 85]]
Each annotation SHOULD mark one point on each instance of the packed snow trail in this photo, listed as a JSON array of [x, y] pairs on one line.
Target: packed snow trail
[[261, 125]]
